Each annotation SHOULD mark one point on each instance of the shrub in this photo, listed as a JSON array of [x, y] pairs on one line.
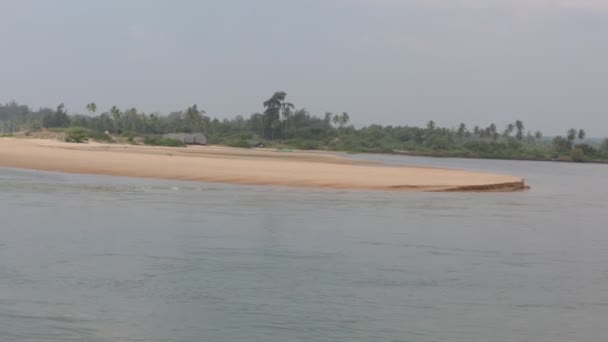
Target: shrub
[[238, 143], [159, 141], [578, 155], [78, 138], [81, 134]]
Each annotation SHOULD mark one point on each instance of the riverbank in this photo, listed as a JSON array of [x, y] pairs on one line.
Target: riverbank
[[242, 166]]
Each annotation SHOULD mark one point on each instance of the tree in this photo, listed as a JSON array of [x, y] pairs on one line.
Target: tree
[[272, 114], [116, 119], [328, 118], [561, 145], [538, 135], [288, 123], [430, 125], [519, 125], [604, 146], [196, 120], [492, 132], [476, 131], [571, 136], [340, 120], [581, 134], [276, 124], [509, 130], [462, 128], [92, 107], [335, 119], [578, 155], [59, 118], [345, 118]]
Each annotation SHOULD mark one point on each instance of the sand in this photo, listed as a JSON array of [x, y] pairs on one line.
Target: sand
[[242, 166]]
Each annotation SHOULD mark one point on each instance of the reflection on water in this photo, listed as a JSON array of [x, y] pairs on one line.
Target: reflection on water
[[90, 258]]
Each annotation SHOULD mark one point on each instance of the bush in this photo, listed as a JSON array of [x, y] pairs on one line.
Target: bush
[[78, 138], [81, 134], [159, 141], [301, 144], [578, 155], [238, 143]]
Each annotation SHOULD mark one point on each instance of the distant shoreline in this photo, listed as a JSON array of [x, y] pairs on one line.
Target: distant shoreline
[[464, 156], [242, 166]]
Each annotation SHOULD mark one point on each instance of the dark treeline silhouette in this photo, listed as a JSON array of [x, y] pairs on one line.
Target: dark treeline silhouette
[[280, 124]]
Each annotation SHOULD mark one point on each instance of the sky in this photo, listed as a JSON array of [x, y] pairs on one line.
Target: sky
[[398, 62]]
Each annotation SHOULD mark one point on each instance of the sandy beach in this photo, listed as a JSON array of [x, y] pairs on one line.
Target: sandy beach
[[241, 166]]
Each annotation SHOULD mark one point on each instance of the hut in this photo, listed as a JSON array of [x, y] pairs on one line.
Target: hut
[[188, 138]]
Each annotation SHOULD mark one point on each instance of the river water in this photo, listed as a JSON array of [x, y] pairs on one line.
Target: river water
[[92, 258]]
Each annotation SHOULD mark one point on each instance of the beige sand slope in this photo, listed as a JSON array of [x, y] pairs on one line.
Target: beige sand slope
[[241, 166]]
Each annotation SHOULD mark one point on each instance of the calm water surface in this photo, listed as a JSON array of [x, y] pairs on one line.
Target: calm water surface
[[89, 258]]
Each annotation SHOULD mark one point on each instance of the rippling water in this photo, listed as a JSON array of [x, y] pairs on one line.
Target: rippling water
[[90, 258]]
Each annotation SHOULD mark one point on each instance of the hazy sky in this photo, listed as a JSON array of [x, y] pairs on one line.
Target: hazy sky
[[400, 62]]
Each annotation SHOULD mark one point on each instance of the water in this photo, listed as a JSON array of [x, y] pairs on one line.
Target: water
[[90, 258]]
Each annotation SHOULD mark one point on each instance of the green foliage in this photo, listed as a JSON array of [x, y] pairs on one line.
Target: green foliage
[[561, 144], [59, 118], [578, 155], [160, 141], [302, 144], [587, 149], [76, 138], [282, 125], [82, 133], [241, 143]]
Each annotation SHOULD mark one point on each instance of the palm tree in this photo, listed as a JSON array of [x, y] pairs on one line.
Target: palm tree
[[571, 134], [462, 130], [582, 134], [336, 119], [510, 128], [519, 125], [274, 106], [274, 125], [492, 131], [92, 107], [116, 118], [195, 118], [345, 118], [287, 112], [430, 125], [328, 118], [538, 135], [476, 131]]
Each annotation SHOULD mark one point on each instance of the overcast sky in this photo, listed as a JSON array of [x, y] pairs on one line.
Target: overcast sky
[[400, 62]]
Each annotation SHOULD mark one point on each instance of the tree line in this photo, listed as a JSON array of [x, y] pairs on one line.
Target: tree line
[[281, 124]]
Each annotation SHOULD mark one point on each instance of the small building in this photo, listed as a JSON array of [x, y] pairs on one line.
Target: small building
[[188, 138]]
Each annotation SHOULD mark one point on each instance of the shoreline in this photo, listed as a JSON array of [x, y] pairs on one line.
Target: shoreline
[[243, 166]]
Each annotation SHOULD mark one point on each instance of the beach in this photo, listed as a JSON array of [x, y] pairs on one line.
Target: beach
[[242, 166]]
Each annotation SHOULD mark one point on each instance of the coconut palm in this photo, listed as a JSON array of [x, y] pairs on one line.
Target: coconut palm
[[582, 134], [519, 125], [116, 118], [92, 107], [462, 130], [345, 118], [509, 130], [571, 134]]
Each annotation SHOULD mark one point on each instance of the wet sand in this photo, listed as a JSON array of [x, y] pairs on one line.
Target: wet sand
[[242, 166]]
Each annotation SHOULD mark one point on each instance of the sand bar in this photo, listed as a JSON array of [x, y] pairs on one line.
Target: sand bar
[[242, 166]]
